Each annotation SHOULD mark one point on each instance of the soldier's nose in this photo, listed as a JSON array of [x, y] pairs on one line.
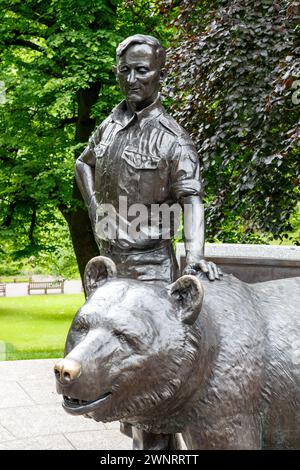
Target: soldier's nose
[[131, 77], [67, 370]]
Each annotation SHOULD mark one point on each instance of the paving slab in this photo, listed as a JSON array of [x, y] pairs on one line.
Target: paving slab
[[43, 420], [56, 442], [37, 370], [12, 395], [99, 440], [40, 393], [5, 435], [31, 415]]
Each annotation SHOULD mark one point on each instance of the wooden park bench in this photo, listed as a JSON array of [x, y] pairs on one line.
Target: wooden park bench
[[3, 289], [45, 286]]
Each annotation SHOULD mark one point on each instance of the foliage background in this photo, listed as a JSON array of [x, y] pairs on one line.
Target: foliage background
[[57, 85], [232, 69], [234, 83]]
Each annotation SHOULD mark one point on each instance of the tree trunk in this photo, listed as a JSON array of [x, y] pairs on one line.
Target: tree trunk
[[81, 232], [78, 220]]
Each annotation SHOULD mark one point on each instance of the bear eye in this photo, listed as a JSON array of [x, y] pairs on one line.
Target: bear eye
[[127, 339], [121, 336]]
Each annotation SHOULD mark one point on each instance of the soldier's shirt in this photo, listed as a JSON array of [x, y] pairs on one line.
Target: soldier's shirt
[[142, 158]]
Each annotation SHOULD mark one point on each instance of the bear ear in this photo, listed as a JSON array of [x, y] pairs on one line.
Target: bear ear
[[97, 270], [188, 294]]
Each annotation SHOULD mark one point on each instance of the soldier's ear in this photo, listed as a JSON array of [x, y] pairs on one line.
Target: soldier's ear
[[97, 271], [188, 294]]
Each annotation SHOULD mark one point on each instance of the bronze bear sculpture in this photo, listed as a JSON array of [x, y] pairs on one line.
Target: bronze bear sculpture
[[217, 362]]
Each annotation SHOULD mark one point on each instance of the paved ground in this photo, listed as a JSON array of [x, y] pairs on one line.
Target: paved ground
[[31, 415]]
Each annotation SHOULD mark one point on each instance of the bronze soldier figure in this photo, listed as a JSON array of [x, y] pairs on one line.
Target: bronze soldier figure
[[140, 153]]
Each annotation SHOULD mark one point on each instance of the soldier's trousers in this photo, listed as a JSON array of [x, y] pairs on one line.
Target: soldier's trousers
[[151, 265], [154, 265]]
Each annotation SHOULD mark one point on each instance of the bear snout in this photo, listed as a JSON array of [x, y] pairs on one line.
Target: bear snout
[[67, 371]]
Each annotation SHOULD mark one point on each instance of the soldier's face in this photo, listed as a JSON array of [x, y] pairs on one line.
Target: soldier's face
[[139, 75]]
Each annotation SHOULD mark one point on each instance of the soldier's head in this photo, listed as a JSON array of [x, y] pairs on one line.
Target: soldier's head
[[140, 69]]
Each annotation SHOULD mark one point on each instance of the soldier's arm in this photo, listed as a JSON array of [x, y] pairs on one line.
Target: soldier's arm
[[188, 191], [194, 230], [85, 177]]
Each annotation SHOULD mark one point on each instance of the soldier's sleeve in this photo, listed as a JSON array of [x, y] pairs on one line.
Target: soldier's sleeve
[[185, 171], [88, 156]]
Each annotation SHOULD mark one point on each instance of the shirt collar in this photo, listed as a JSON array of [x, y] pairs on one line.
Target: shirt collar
[[121, 114]]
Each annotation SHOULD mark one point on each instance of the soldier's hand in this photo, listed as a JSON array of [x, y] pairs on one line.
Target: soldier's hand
[[208, 267]]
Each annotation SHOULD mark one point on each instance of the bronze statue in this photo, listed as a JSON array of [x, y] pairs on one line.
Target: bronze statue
[[140, 155], [217, 362]]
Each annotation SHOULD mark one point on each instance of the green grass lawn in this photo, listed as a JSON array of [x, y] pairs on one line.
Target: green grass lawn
[[36, 326]]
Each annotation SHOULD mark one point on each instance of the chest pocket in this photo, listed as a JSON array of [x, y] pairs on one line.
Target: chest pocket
[[143, 176], [140, 161]]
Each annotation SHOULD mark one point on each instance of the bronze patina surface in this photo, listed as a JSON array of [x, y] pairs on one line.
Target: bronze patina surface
[[218, 362], [140, 153]]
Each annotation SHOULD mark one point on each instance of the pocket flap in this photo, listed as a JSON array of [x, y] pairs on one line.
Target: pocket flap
[[140, 161], [100, 150]]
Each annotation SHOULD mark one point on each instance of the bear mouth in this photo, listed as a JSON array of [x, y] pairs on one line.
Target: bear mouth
[[76, 406]]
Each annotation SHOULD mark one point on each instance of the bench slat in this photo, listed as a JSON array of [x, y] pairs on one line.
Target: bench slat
[[44, 285], [3, 289]]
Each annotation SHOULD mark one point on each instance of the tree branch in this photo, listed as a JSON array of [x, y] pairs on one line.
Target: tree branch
[[32, 227], [24, 43], [31, 15], [67, 121]]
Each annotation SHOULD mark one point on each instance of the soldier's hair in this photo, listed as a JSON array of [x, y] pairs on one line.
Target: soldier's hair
[[143, 39]]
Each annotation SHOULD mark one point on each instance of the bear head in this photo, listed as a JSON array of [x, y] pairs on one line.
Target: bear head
[[131, 348]]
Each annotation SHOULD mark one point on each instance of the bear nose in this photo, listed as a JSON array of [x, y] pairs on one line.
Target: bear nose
[[67, 370]]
